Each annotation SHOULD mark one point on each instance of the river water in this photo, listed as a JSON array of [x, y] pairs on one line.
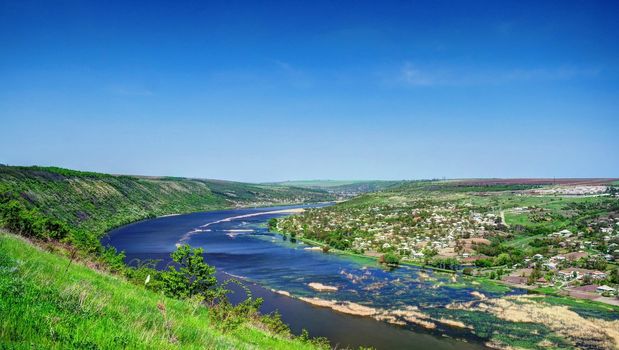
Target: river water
[[238, 244]]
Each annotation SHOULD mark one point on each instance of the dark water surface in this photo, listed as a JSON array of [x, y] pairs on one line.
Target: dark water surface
[[240, 245]]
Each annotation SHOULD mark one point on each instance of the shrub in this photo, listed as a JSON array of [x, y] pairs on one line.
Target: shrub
[[445, 263], [274, 323], [390, 259], [483, 262], [193, 276]]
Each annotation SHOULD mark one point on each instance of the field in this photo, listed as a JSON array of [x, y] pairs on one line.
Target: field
[[342, 188]]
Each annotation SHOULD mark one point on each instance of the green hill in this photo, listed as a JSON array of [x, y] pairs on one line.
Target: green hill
[[342, 186], [98, 202], [68, 292], [47, 303]]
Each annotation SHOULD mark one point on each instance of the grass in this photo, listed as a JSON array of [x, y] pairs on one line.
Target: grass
[[45, 302], [585, 307]]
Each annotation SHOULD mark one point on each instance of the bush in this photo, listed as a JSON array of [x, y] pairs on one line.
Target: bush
[[193, 276], [502, 259], [274, 324], [445, 263], [390, 259], [272, 224], [483, 262]]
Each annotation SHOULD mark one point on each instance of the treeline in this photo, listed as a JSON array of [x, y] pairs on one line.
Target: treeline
[[31, 222]]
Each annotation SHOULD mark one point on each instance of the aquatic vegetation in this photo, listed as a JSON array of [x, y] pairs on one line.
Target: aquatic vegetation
[[585, 308], [531, 310]]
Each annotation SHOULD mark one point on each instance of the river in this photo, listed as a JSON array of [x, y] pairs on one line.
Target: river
[[238, 244]]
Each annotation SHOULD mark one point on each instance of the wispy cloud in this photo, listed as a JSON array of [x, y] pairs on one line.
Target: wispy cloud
[[410, 74], [130, 91], [296, 77]]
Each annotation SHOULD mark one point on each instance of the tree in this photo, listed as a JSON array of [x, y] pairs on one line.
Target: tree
[[190, 275], [484, 262], [390, 259], [614, 276], [272, 224], [502, 259], [428, 253]]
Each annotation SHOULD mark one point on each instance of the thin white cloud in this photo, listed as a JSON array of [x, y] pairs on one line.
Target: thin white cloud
[[413, 75], [296, 77], [130, 91]]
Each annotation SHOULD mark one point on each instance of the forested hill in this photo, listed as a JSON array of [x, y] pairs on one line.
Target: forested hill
[[96, 202]]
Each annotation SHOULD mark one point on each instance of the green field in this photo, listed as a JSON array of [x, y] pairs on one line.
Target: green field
[[350, 186]]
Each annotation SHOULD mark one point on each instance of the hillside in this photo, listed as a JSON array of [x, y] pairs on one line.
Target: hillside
[[342, 188], [98, 202], [66, 291], [46, 302]]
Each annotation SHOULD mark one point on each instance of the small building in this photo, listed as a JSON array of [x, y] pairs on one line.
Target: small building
[[573, 256], [605, 289], [577, 273], [550, 266]]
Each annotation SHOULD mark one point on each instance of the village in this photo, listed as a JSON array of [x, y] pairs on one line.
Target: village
[[465, 235]]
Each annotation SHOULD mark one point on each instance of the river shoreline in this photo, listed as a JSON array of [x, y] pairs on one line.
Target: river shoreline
[[409, 303]]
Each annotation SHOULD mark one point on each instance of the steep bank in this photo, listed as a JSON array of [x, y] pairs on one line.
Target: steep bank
[[78, 207], [98, 202]]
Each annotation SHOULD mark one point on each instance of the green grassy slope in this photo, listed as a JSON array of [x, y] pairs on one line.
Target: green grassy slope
[[45, 303], [351, 186], [98, 202]]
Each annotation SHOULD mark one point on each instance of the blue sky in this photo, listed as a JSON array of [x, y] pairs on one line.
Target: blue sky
[[321, 90]]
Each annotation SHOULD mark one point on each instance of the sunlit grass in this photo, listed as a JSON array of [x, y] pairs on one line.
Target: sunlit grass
[[47, 303]]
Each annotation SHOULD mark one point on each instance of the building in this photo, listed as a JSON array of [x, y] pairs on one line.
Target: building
[[577, 273]]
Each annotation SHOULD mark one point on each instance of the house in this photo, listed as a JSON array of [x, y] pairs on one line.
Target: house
[[576, 273], [550, 266], [573, 256], [598, 275], [605, 289], [562, 233]]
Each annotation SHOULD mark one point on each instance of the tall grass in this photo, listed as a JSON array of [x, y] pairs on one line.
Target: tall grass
[[45, 304]]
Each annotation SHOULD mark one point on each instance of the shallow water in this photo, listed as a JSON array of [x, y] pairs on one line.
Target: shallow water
[[243, 247]]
